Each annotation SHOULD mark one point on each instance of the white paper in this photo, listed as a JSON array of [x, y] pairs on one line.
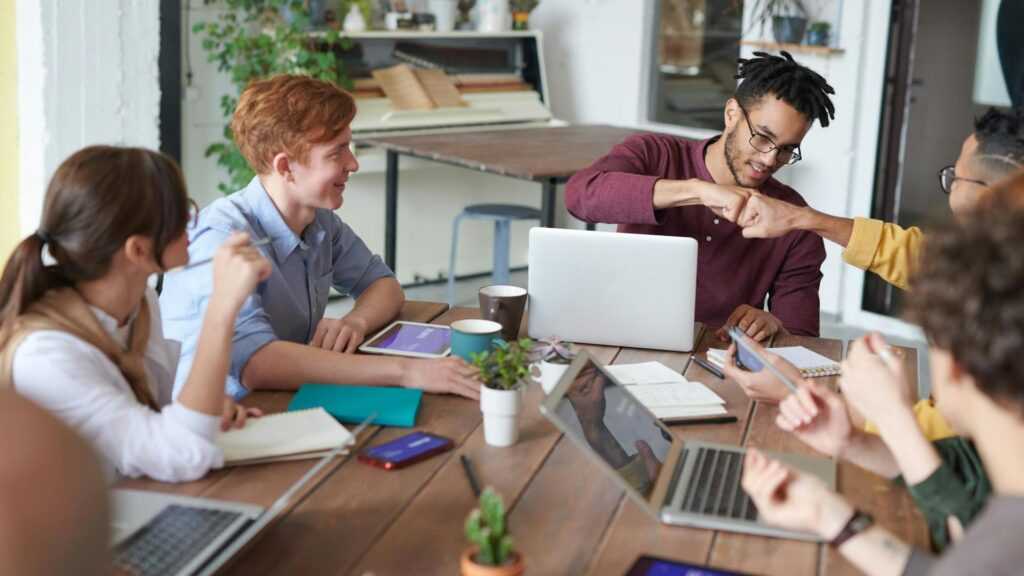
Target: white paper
[[645, 373], [283, 434], [689, 411], [687, 394], [804, 358]]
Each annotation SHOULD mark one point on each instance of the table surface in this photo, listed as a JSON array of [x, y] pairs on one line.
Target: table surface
[[565, 515], [555, 152]]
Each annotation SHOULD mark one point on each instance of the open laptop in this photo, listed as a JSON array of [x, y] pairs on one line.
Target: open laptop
[[691, 483], [634, 290], [165, 534]]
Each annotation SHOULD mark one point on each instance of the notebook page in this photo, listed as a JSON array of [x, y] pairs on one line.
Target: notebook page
[[662, 395], [283, 434], [645, 373]]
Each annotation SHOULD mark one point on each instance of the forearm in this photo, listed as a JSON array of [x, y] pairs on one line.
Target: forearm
[[283, 365], [603, 441], [674, 193], [869, 452], [833, 228], [204, 389], [379, 304], [916, 456], [877, 552]]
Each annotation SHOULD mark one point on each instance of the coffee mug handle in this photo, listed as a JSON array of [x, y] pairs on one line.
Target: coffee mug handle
[[498, 340]]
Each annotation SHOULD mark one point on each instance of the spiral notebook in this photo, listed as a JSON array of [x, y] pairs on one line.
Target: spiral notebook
[[810, 363], [286, 436]]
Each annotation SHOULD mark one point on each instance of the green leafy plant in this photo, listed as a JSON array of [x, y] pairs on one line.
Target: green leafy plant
[[505, 367], [820, 27], [523, 5], [762, 11], [250, 40], [486, 529]]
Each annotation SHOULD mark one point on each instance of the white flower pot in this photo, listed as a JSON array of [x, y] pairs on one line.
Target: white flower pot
[[549, 375], [501, 415]]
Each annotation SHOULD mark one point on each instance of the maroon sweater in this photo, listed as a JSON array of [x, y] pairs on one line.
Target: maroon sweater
[[731, 270]]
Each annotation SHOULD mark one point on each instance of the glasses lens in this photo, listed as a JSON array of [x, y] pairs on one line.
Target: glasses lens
[[946, 177], [761, 143]]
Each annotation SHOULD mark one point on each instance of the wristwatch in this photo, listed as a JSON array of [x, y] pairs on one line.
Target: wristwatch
[[857, 523]]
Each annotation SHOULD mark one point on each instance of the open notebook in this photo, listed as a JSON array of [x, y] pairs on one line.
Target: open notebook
[[810, 363], [666, 393], [285, 436]]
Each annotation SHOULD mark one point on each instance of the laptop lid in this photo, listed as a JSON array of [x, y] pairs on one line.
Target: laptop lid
[[635, 290], [626, 440]]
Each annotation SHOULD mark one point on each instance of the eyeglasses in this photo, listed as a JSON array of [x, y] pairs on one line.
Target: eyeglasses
[[193, 215], [787, 155], [947, 176]]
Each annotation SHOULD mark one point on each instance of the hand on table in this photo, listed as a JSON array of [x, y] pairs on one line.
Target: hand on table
[[234, 415], [340, 334], [758, 324], [442, 376]]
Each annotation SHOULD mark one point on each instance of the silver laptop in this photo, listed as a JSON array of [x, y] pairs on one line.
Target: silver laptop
[[634, 290], [164, 534], [689, 483]]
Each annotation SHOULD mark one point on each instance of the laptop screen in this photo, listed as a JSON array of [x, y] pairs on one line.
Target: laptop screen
[[604, 417]]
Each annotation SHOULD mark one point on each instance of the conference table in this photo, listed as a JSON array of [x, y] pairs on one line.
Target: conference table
[[565, 515]]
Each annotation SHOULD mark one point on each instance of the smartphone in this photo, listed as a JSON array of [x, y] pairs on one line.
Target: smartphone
[[748, 359], [653, 566], [406, 450]]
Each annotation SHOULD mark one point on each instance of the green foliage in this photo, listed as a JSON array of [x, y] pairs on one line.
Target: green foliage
[[820, 27], [523, 5], [487, 530], [249, 41], [505, 367]]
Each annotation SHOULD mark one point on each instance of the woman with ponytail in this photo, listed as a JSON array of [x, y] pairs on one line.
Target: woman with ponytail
[[80, 330]]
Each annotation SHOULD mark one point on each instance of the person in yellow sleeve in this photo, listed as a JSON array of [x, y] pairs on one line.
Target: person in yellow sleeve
[[992, 152]]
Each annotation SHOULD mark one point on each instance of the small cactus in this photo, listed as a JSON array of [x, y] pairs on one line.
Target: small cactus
[[486, 529]]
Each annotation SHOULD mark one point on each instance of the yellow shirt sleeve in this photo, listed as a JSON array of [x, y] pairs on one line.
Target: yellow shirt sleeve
[[885, 249], [929, 420]]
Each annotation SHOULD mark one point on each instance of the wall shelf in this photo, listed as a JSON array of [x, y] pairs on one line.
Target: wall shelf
[[797, 48]]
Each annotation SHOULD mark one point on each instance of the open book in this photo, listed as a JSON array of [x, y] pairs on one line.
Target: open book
[[418, 88], [810, 363], [667, 394], [285, 436]]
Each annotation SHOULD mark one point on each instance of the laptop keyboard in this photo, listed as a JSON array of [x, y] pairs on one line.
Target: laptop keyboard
[[171, 540], [714, 487]]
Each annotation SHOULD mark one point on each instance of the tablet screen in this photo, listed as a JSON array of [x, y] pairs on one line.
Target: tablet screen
[[403, 337], [650, 566]]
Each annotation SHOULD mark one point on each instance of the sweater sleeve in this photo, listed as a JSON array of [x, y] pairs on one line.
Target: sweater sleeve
[[885, 249], [618, 188], [77, 383]]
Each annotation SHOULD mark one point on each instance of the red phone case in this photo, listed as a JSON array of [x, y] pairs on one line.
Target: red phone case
[[395, 465]]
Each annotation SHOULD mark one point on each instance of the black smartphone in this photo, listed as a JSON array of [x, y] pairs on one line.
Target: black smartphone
[[654, 566], [406, 450]]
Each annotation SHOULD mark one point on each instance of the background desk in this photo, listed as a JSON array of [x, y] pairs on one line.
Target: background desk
[[565, 515], [549, 156]]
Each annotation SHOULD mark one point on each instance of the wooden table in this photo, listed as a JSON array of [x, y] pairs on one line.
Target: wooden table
[[549, 156], [566, 516]]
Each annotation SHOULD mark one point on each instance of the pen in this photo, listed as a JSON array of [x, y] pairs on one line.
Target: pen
[[709, 367], [191, 265], [467, 467]]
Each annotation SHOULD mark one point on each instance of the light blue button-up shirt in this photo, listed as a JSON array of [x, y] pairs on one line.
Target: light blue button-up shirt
[[290, 303]]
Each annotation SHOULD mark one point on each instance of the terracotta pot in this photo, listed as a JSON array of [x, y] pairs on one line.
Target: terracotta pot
[[471, 568]]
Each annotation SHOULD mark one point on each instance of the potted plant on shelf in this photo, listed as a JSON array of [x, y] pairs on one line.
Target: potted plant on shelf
[[788, 18], [491, 552], [504, 371], [818, 33], [551, 358], [521, 13]]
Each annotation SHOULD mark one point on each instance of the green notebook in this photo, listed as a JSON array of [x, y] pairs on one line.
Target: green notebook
[[353, 404]]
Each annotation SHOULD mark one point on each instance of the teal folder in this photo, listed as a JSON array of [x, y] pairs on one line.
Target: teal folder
[[353, 404]]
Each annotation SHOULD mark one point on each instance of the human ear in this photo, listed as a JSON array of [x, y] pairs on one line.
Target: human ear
[[282, 166], [138, 250]]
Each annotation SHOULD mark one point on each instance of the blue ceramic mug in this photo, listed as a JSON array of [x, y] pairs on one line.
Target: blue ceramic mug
[[474, 336]]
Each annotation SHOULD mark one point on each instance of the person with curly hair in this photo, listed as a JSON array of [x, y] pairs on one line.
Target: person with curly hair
[[969, 299]]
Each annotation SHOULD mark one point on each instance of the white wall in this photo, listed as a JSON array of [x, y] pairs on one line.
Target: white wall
[[87, 74], [989, 84]]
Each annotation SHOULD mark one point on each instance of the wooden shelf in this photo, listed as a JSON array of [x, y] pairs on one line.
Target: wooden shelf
[[798, 48]]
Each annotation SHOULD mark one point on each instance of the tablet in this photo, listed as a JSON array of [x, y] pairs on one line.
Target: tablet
[[411, 339], [653, 566]]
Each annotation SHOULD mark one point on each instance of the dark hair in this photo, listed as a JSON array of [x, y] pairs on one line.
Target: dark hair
[[799, 86], [968, 295], [1000, 138], [97, 198]]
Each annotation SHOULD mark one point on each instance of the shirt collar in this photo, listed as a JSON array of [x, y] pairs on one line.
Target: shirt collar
[[270, 219], [700, 160]]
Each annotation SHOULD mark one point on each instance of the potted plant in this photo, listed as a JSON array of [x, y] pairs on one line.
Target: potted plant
[[551, 357], [818, 33], [521, 13], [504, 370], [491, 552], [788, 18]]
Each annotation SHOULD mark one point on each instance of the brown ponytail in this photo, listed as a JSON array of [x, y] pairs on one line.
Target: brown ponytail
[[97, 198]]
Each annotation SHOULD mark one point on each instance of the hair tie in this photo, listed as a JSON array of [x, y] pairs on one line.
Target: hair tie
[[43, 236]]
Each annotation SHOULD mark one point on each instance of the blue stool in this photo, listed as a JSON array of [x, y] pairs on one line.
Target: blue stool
[[503, 215]]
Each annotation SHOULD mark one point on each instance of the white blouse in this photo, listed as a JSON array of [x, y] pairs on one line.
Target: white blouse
[[79, 384]]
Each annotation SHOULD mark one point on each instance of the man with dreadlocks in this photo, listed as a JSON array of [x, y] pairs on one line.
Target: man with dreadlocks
[[659, 184]]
